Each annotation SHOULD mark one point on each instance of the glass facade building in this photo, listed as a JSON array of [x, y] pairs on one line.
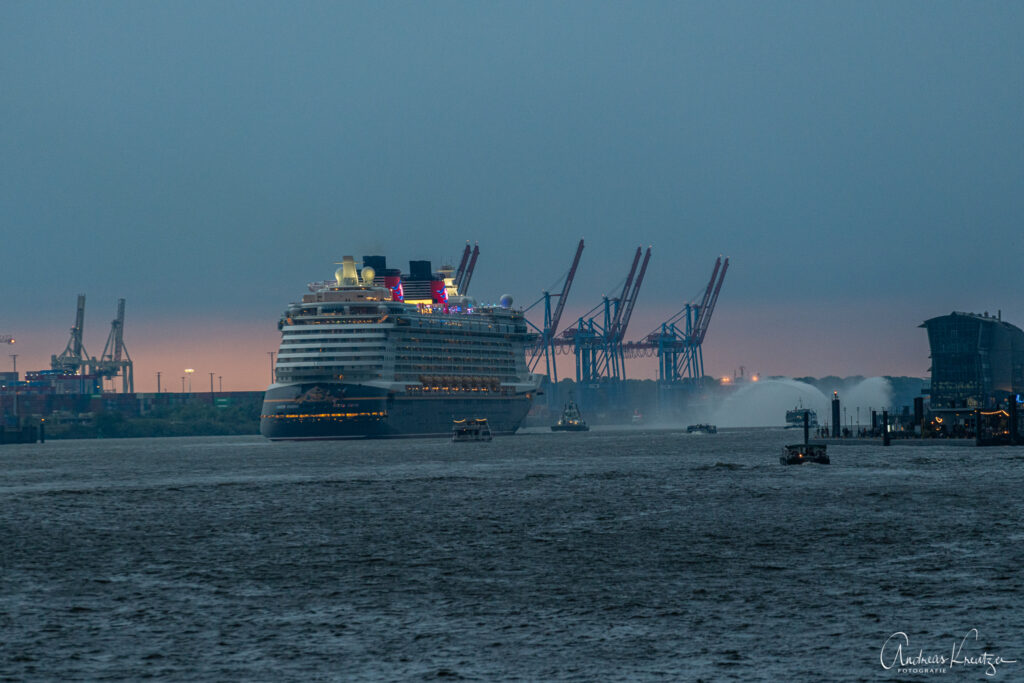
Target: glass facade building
[[977, 361]]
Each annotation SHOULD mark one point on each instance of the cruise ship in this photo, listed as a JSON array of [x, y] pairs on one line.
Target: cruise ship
[[378, 353]]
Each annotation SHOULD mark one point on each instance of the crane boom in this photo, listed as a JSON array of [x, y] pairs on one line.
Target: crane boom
[[625, 292], [115, 348], [705, 315], [74, 355], [119, 348], [76, 331], [620, 331], [545, 346], [115, 360], [557, 317], [464, 287], [462, 268], [711, 285]]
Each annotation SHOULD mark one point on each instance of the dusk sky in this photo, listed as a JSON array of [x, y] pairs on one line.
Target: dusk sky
[[860, 163]]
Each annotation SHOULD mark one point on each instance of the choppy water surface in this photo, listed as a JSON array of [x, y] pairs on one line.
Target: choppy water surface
[[600, 556]]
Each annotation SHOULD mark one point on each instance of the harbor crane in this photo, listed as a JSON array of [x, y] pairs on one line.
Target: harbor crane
[[678, 341], [73, 359], [115, 360], [598, 346], [461, 270], [545, 346], [466, 267]]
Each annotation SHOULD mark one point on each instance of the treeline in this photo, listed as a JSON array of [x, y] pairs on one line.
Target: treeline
[[195, 418]]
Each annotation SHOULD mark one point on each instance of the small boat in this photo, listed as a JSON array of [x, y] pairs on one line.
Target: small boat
[[638, 418], [471, 430], [804, 453], [702, 427], [571, 420]]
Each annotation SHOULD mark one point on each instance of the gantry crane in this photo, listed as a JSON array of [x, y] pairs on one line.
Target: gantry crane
[[115, 360], [462, 268], [679, 351], [598, 345], [626, 312], [465, 272], [74, 358], [545, 346]]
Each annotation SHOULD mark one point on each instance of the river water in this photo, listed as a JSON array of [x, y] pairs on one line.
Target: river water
[[611, 555]]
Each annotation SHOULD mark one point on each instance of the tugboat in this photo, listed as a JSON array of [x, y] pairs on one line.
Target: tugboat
[[702, 427], [571, 420], [806, 452], [471, 430]]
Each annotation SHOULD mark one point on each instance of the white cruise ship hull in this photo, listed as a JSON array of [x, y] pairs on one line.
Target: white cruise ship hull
[[349, 411]]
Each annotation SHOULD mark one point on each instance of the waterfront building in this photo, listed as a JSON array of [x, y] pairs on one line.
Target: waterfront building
[[977, 361]]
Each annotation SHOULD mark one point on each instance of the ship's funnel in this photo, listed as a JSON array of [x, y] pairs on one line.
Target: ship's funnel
[[349, 277]]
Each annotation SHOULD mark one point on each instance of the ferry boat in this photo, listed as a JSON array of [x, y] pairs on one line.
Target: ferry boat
[[806, 452], [571, 419], [378, 353], [795, 417], [470, 430]]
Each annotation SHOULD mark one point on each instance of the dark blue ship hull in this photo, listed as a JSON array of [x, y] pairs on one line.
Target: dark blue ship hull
[[352, 411]]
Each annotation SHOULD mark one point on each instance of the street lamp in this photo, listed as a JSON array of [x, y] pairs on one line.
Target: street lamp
[[188, 372]]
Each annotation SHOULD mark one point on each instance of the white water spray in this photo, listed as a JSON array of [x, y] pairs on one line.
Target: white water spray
[[874, 393], [764, 403]]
